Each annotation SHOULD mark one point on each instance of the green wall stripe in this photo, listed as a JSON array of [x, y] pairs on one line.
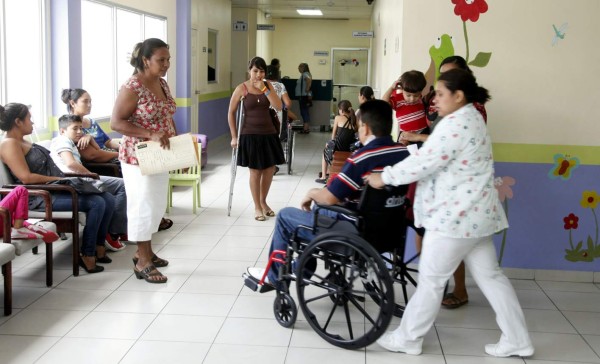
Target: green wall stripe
[[183, 102], [541, 153], [214, 96]]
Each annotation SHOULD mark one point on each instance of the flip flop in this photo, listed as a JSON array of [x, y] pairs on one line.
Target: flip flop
[[270, 213], [165, 224], [455, 301], [260, 218]]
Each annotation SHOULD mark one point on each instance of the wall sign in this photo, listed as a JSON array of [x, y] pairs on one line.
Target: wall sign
[[265, 26], [240, 26], [357, 34], [321, 53]]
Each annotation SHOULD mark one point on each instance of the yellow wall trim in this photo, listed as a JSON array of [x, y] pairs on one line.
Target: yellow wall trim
[[183, 102], [214, 96], [541, 153]]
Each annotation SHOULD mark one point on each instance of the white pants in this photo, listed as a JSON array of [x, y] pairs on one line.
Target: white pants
[[439, 259], [146, 201]]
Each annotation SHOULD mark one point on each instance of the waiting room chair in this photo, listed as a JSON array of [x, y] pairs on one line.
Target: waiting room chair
[[7, 254], [190, 177], [66, 221], [24, 245]]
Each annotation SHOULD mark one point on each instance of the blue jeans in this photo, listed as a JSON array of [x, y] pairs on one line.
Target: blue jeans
[[116, 187], [304, 110], [287, 220], [99, 211]]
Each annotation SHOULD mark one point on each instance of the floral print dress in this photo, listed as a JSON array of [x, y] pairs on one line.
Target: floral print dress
[[151, 113]]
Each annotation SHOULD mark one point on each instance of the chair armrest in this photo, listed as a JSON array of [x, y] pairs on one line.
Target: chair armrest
[[88, 175], [6, 222], [44, 194], [55, 188], [109, 169]]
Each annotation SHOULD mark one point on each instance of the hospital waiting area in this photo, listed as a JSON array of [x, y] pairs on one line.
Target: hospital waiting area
[[212, 308]]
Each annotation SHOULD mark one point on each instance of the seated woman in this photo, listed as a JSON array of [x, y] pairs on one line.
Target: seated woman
[[31, 164], [16, 203], [91, 146], [343, 136]]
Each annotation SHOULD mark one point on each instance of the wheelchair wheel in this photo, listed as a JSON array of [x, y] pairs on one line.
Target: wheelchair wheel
[[337, 304], [285, 309]]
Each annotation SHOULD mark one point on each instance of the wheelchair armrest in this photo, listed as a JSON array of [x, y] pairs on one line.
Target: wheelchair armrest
[[336, 208], [107, 168]]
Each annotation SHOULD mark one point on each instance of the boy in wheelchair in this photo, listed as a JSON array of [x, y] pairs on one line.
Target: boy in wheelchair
[[379, 151]]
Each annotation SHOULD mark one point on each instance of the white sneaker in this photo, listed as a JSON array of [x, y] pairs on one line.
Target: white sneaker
[[390, 341], [24, 233], [257, 273], [503, 350]]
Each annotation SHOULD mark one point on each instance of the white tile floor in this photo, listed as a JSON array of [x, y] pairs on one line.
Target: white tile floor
[[204, 314]]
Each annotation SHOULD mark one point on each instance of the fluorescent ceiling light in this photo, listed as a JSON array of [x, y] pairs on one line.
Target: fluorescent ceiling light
[[309, 12]]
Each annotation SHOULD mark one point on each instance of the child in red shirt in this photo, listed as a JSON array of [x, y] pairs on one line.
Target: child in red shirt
[[405, 96]]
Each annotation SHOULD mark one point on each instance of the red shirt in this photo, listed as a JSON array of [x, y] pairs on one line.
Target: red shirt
[[410, 115]]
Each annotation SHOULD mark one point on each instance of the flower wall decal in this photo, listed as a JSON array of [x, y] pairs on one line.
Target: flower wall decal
[[470, 10], [503, 186], [563, 167], [589, 200]]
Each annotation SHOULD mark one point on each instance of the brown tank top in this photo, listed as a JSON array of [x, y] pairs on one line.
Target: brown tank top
[[257, 119]]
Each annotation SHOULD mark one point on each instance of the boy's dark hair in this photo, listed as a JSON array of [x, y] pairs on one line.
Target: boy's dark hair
[[68, 119], [413, 81], [377, 114], [462, 80]]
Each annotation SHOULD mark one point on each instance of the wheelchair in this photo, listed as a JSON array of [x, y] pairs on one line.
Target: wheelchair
[[287, 135], [344, 286]]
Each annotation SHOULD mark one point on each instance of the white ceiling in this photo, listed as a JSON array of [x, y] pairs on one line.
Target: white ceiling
[[332, 9]]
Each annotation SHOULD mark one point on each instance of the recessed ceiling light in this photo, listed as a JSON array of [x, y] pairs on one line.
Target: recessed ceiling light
[[313, 12]]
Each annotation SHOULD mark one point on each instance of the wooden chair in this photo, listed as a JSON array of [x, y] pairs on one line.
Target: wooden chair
[[7, 254], [190, 177], [66, 221], [24, 245], [339, 159]]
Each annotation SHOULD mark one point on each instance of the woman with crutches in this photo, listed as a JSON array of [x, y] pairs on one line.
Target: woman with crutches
[[257, 141]]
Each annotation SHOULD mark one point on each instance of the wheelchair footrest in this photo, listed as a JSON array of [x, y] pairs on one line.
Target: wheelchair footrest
[[254, 285]]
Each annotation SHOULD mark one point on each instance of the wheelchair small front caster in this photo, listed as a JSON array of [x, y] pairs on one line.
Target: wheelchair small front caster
[[285, 309]]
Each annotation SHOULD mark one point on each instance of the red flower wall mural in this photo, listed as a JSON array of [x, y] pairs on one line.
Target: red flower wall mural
[[470, 10], [589, 200]]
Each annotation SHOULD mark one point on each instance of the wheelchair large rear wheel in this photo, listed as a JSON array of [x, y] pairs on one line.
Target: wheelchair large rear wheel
[[335, 302]]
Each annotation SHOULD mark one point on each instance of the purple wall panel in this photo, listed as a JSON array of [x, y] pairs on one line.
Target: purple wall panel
[[537, 238], [212, 117]]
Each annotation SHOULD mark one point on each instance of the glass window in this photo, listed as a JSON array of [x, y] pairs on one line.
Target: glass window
[[98, 56], [109, 34], [22, 69]]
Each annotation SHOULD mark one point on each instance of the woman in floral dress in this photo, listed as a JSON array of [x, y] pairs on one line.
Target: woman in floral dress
[[144, 111]]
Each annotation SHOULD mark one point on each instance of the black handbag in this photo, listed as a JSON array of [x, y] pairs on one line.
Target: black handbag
[[275, 119], [83, 185]]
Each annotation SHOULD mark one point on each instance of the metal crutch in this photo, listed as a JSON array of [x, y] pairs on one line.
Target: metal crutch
[[239, 122]]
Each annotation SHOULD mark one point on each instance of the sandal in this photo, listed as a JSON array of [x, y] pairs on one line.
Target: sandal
[[165, 224], [455, 302], [270, 213], [148, 273], [260, 218], [321, 180], [158, 262]]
